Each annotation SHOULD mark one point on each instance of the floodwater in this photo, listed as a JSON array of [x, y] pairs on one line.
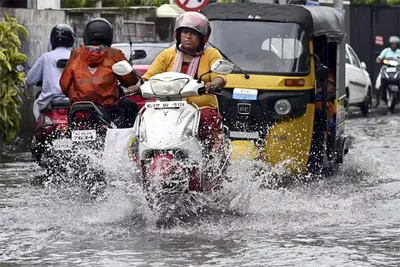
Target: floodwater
[[351, 219]]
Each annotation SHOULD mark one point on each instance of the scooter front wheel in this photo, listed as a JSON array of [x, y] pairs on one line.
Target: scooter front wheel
[[391, 100]]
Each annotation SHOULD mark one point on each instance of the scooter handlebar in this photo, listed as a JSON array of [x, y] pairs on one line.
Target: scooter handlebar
[[202, 91], [131, 94]]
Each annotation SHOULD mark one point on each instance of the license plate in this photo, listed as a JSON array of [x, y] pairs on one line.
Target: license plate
[[243, 108], [394, 88], [62, 144], [245, 135], [83, 135], [391, 69], [166, 104], [244, 94]]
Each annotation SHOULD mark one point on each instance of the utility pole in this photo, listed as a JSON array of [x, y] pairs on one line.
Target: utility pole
[[99, 3]]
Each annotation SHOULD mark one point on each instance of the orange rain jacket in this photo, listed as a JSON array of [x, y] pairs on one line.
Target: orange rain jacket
[[88, 76]]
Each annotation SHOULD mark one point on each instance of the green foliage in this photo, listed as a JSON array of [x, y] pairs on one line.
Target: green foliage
[[11, 79], [77, 3], [111, 3], [154, 2], [377, 2], [120, 3], [394, 2]]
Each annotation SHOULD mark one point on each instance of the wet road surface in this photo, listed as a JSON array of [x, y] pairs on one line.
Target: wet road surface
[[351, 219]]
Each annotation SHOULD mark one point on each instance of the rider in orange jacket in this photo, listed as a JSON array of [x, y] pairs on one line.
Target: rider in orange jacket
[[88, 75]]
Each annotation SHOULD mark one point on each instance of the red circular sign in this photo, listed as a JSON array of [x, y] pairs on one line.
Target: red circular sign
[[191, 5]]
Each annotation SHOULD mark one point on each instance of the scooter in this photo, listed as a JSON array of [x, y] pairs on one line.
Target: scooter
[[167, 149], [390, 81], [50, 127]]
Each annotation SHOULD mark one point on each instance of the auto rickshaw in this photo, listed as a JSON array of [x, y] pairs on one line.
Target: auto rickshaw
[[276, 102]]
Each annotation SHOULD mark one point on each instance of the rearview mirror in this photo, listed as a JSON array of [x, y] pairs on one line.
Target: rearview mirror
[[222, 67], [363, 65], [20, 68], [122, 68], [23, 67], [137, 54]]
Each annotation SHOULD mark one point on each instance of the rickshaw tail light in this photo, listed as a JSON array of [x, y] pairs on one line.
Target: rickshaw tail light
[[294, 82]]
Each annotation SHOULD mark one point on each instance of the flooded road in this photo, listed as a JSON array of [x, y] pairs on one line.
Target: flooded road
[[351, 219]]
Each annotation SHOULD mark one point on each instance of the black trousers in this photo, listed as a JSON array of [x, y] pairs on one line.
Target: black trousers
[[125, 113]]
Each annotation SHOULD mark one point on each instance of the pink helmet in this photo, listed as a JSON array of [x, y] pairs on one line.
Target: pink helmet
[[195, 21]]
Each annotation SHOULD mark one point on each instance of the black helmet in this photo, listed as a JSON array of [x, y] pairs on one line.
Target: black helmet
[[62, 35], [98, 31]]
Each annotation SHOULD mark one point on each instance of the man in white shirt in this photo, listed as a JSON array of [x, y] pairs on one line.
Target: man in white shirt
[[62, 38]]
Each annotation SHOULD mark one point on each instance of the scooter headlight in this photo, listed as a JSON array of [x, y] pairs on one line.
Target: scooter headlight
[[283, 107], [168, 88]]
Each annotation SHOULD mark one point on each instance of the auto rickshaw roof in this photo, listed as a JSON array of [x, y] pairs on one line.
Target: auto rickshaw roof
[[314, 20]]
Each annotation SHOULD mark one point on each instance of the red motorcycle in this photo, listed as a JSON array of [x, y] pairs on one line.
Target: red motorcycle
[[48, 138], [50, 129]]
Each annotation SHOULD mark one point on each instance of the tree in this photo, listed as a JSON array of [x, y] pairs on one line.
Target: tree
[[393, 2], [11, 79], [77, 3], [120, 3], [154, 2]]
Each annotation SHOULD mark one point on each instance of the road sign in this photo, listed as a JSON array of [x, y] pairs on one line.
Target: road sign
[[191, 5], [378, 40]]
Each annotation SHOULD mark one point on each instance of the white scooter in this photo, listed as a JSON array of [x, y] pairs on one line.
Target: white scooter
[[167, 148]]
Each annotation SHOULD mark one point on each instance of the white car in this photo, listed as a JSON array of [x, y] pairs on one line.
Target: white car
[[358, 82]]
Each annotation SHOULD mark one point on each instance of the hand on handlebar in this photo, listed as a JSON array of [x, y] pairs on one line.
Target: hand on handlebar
[[209, 87], [133, 89]]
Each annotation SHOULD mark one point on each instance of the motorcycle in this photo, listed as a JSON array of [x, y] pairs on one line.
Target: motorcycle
[[390, 81], [50, 127], [87, 129], [166, 147]]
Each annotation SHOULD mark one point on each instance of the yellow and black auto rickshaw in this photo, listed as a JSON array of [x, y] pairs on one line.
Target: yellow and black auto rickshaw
[[276, 103]]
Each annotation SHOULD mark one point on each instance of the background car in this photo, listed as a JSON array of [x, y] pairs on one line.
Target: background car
[[152, 50], [358, 82]]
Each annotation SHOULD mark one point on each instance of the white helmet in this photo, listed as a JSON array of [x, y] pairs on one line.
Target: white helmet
[[394, 40]]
